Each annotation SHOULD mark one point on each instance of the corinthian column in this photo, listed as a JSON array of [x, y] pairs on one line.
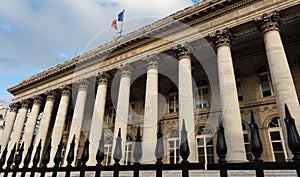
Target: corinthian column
[[77, 119], [60, 121], [31, 122], [122, 107], [45, 120], [151, 110], [9, 124], [229, 100], [18, 128], [98, 115], [282, 80], [186, 101]]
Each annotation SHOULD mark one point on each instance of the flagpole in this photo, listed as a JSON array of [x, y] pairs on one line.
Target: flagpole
[[121, 29]]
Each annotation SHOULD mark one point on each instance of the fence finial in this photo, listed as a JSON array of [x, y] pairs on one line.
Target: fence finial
[[3, 157], [28, 156], [221, 146], [85, 154], [18, 158], [184, 144], [36, 157], [159, 149], [70, 156], [118, 148], [137, 152], [10, 159], [46, 158], [256, 145], [100, 151]]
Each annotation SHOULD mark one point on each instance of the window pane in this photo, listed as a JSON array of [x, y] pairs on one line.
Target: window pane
[[279, 157], [277, 146], [275, 135], [210, 150]]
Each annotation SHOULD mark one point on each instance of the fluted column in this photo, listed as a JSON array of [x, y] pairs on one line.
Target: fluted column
[[151, 110], [9, 124], [186, 101], [231, 117], [282, 80], [122, 107], [31, 122], [18, 128], [45, 120], [77, 119], [60, 121], [98, 115]]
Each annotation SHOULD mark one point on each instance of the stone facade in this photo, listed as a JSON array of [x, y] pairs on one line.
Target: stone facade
[[216, 60]]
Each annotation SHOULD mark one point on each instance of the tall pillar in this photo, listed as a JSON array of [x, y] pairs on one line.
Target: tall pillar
[[231, 117], [18, 128], [97, 119], [122, 108], [151, 110], [77, 119], [9, 124], [186, 101], [60, 121], [282, 79], [31, 122], [45, 120]]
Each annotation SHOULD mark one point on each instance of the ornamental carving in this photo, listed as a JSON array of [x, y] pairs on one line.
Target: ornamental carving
[[51, 95], [83, 84], [102, 78], [14, 107], [183, 51], [38, 100], [268, 22], [25, 104], [152, 61], [66, 90], [126, 70], [222, 37]]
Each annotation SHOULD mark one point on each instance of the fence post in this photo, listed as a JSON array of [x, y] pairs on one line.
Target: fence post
[[117, 153], [18, 159], [57, 158], [3, 159], [36, 158], [10, 160], [27, 160], [70, 157], [84, 157], [137, 152], [293, 136], [221, 148], [184, 150], [46, 159], [159, 151], [100, 155]]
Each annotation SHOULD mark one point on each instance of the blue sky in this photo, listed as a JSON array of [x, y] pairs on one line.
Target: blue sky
[[38, 34]]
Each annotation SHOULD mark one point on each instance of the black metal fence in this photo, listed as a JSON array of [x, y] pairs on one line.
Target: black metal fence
[[14, 160]]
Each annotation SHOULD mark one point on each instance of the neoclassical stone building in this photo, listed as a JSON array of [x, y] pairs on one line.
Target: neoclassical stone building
[[216, 60]]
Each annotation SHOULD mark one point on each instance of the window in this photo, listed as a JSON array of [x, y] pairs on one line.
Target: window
[[111, 117], [173, 147], [205, 147], [247, 142], [239, 87], [173, 100], [202, 95], [107, 151], [276, 140], [131, 111], [37, 124], [128, 151], [265, 81]]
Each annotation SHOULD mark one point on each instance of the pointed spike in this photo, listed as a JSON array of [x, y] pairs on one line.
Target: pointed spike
[[11, 156], [57, 157], [137, 152], [183, 125], [36, 157], [85, 153], [28, 156], [287, 112], [118, 149], [252, 118], [159, 149], [46, 158], [119, 133], [3, 157], [70, 157], [100, 151], [18, 157]]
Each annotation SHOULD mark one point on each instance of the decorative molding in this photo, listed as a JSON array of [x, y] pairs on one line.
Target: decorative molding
[[102, 78], [38, 100], [222, 37], [51, 95], [66, 90], [83, 84], [25, 104], [268, 22], [125, 70], [183, 51], [152, 61], [14, 107]]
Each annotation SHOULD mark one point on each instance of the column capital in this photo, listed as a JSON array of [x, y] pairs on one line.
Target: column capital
[[183, 51], [25, 104], [153, 61], [102, 78], [222, 37], [51, 95], [37, 99], [126, 70], [268, 22], [14, 107], [66, 90], [83, 84]]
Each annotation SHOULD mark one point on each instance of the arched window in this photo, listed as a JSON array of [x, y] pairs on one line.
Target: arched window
[[276, 140], [202, 95], [247, 141], [173, 147], [239, 87], [128, 150], [205, 145], [265, 81], [173, 100], [107, 151]]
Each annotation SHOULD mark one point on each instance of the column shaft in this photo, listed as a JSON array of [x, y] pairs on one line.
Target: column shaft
[[97, 119]]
